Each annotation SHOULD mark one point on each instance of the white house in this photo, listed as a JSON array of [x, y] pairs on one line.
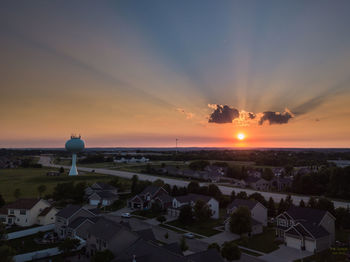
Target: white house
[[103, 198], [191, 200], [28, 212]]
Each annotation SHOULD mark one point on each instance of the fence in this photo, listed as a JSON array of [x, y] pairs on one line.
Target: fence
[[30, 231]]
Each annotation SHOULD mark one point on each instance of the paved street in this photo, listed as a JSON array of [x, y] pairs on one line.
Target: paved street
[[46, 161], [285, 254]]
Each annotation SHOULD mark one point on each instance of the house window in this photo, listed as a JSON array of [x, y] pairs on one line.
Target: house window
[[3, 219], [12, 212], [104, 244], [23, 212]]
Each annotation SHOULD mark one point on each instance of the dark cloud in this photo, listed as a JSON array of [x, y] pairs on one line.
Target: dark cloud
[[223, 114], [251, 115], [276, 117]]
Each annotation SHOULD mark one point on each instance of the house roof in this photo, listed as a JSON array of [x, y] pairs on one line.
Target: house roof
[[147, 234], [148, 252], [107, 229], [45, 211], [310, 215], [105, 194], [23, 203], [103, 186], [79, 220], [165, 198], [192, 197], [242, 202], [307, 230], [206, 256], [151, 190], [173, 247], [68, 211]]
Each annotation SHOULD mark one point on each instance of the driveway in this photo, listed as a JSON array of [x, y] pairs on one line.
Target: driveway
[[285, 254]]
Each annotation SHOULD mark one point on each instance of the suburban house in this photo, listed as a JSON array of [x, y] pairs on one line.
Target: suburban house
[[145, 199], [258, 183], [28, 212], [306, 228], [191, 199], [254, 173], [239, 182], [281, 183], [79, 226], [257, 210], [144, 251], [101, 194], [106, 234], [64, 225]]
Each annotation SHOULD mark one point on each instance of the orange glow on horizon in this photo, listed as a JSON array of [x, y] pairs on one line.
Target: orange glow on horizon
[[241, 136]]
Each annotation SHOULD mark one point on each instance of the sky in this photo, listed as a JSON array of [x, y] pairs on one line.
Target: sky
[[143, 73]]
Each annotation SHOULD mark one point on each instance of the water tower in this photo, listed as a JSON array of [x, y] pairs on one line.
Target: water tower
[[74, 145]]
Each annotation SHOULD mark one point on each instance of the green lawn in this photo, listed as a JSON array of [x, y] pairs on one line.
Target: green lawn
[[205, 228], [28, 179], [27, 244], [342, 235], [330, 255], [264, 242]]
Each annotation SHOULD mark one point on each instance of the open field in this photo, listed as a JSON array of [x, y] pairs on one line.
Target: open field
[[28, 179]]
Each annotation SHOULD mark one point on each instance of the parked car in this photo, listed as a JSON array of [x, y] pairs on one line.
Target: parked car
[[189, 235], [126, 215]]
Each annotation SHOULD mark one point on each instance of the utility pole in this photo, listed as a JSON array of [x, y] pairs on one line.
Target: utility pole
[[176, 144]]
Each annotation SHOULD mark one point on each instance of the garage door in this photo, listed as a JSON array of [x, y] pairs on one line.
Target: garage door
[[310, 245], [293, 242], [94, 202]]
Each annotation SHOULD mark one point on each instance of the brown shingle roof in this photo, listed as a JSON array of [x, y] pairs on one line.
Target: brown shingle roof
[[24, 203], [45, 211]]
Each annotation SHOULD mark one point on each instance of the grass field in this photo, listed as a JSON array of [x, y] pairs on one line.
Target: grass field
[[28, 180], [205, 228]]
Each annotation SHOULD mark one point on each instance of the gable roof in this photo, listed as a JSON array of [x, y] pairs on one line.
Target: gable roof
[[152, 190], [306, 214], [307, 230], [242, 202], [146, 234], [23, 203], [206, 256], [80, 220], [68, 211], [165, 198], [46, 211], [103, 186], [193, 197], [105, 194]]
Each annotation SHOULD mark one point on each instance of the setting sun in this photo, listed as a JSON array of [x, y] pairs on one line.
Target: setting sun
[[240, 136]]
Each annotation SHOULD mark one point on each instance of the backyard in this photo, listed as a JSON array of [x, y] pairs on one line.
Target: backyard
[[205, 228], [28, 180]]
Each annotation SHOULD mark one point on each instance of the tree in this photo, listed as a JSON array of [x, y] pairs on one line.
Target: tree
[[302, 203], [312, 202], [214, 245], [193, 187], [183, 244], [240, 222], [2, 201], [199, 165], [134, 182], [288, 201], [267, 174], [103, 256], [202, 211], [271, 208], [186, 215], [342, 218], [282, 206], [214, 191], [6, 253], [68, 245], [230, 251], [242, 195], [289, 170], [175, 191], [161, 219], [258, 197], [158, 182], [325, 204], [17, 193], [167, 188], [3, 234], [41, 189], [233, 195], [61, 170]]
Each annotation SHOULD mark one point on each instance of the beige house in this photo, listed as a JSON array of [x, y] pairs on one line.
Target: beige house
[[306, 228], [28, 212], [258, 183]]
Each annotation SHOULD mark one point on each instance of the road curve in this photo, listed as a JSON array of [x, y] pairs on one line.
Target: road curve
[[226, 190]]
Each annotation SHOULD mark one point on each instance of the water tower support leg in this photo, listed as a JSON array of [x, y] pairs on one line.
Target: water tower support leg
[[73, 170]]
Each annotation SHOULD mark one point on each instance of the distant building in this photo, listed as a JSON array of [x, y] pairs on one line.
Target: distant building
[[258, 183], [191, 200], [28, 212], [281, 183], [101, 194], [306, 228], [131, 160]]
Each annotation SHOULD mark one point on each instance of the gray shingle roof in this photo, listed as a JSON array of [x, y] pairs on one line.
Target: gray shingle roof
[[68, 211], [193, 197], [79, 220], [150, 189], [310, 215], [103, 186], [209, 255], [106, 195], [105, 229]]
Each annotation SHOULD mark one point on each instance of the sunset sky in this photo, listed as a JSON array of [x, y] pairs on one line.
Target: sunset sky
[[142, 73]]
